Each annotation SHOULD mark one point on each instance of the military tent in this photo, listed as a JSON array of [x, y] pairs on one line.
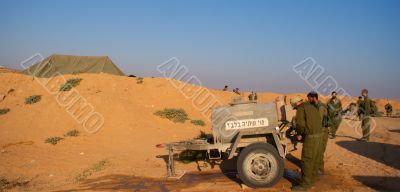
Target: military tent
[[70, 64]]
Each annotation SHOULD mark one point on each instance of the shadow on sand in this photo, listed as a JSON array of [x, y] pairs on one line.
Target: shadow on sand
[[226, 177], [118, 182], [387, 154], [380, 183]]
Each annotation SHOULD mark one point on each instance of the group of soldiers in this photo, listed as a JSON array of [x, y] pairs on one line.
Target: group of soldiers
[[235, 90], [314, 121], [252, 96]]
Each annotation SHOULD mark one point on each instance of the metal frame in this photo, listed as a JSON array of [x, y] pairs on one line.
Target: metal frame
[[230, 148]]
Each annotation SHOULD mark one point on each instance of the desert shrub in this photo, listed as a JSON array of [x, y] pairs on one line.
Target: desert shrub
[[72, 133], [33, 99], [53, 140], [175, 115], [98, 166], [70, 84], [7, 184], [202, 135], [4, 111], [198, 122], [139, 80]]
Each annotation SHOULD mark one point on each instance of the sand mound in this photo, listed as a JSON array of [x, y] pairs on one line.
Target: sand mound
[[129, 130], [7, 70]]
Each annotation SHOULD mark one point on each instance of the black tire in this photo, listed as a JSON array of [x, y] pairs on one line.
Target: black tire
[[259, 165]]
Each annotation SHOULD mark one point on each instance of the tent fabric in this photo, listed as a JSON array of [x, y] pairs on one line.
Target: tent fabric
[[70, 64]]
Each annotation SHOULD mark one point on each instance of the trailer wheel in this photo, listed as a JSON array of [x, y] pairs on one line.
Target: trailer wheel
[[259, 165]]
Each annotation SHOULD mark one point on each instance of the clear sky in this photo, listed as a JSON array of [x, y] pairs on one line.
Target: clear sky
[[252, 45]]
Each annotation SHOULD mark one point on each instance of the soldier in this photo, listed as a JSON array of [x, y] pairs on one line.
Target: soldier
[[389, 109], [236, 90], [366, 109], [308, 124], [334, 113], [323, 112], [251, 96], [255, 96], [225, 88]]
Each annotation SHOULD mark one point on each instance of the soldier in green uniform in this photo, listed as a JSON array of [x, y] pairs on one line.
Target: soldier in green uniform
[[251, 96], [308, 124], [360, 98], [335, 113], [389, 109], [323, 112], [359, 101], [365, 110]]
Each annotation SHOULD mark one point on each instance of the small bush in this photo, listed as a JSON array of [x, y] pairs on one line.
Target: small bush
[[7, 184], [98, 166], [72, 133], [53, 140], [202, 135], [70, 84], [175, 115], [4, 111], [139, 80], [33, 99], [198, 122]]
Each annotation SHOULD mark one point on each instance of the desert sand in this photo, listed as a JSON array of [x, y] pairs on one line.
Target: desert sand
[[127, 140]]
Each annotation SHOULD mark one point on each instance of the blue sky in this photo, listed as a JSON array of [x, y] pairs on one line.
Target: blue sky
[[252, 45]]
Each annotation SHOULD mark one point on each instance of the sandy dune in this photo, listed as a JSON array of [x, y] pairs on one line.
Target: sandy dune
[[130, 132]]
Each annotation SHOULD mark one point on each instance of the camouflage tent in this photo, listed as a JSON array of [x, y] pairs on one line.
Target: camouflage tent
[[69, 64]]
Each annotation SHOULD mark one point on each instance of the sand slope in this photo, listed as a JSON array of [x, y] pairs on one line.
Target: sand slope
[[127, 139]]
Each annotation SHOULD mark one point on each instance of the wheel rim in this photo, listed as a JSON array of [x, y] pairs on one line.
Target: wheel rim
[[261, 167]]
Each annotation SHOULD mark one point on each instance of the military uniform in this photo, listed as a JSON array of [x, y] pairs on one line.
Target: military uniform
[[359, 101], [308, 123], [365, 110], [251, 96], [323, 112], [389, 109], [335, 114]]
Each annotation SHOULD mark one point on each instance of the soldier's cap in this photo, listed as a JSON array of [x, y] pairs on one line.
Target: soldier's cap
[[294, 100]]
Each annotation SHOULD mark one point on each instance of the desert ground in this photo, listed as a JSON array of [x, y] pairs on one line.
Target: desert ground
[[122, 156]]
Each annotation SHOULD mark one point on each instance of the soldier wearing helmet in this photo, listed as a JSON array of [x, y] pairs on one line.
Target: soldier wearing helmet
[[365, 110], [335, 113], [388, 109]]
